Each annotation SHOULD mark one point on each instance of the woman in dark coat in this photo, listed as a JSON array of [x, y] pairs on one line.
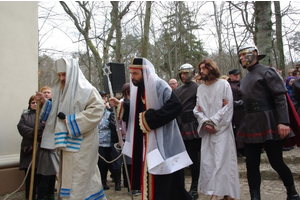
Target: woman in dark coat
[[26, 127]]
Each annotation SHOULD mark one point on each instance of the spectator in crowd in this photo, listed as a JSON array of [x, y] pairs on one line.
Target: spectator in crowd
[[296, 73], [224, 77], [173, 83], [288, 84], [48, 163], [108, 145], [290, 73], [105, 141], [26, 127]]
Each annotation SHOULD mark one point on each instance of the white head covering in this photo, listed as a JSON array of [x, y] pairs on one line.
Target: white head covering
[[71, 100], [162, 157]]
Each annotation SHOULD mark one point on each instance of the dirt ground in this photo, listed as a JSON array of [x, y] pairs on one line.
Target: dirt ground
[[271, 187]]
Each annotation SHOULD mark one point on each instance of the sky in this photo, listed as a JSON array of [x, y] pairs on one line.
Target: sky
[[58, 40]]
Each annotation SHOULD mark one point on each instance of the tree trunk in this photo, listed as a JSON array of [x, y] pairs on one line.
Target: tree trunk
[[263, 30], [218, 24], [278, 20], [146, 29]]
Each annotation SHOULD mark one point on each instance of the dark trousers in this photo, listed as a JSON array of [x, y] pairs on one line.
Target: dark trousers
[[35, 183], [118, 163], [46, 186], [274, 152], [170, 187], [106, 153], [193, 149]]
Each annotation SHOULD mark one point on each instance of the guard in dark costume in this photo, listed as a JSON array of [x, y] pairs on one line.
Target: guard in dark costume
[[266, 121], [188, 123]]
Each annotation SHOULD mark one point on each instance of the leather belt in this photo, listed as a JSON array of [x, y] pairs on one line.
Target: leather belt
[[187, 117], [259, 105]]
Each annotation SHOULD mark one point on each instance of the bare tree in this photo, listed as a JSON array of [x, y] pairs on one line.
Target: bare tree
[[84, 27], [174, 32], [116, 18], [146, 29], [280, 65], [218, 23]]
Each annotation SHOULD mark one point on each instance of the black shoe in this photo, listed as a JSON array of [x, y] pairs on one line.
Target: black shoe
[[194, 190], [117, 177], [296, 197], [194, 194], [135, 192], [255, 194], [292, 194], [286, 148], [105, 187], [118, 187]]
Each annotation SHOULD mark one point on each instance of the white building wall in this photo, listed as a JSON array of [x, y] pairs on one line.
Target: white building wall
[[18, 71]]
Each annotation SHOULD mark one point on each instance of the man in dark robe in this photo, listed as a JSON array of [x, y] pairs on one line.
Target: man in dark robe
[[153, 139]]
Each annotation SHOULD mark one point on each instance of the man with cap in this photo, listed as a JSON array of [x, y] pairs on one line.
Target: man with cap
[[188, 123], [153, 139], [234, 82], [266, 120], [73, 116]]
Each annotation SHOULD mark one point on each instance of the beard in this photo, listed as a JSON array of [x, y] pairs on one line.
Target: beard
[[62, 86], [207, 77], [138, 82]]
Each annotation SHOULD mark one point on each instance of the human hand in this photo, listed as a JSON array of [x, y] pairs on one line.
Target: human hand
[[225, 102], [199, 108], [121, 144], [210, 129], [106, 104], [40, 97], [113, 101], [283, 130]]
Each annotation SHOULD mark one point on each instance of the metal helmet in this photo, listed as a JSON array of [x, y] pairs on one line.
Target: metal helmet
[[190, 72], [248, 49]]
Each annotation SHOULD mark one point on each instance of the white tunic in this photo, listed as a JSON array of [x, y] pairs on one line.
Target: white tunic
[[77, 137], [79, 174], [218, 165]]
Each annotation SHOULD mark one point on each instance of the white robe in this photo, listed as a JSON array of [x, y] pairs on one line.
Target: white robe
[[218, 165], [79, 174]]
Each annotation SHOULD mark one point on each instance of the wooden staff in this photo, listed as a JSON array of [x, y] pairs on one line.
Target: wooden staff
[[36, 126]]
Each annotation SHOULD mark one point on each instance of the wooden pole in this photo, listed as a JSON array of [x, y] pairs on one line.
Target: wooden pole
[[36, 126]]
